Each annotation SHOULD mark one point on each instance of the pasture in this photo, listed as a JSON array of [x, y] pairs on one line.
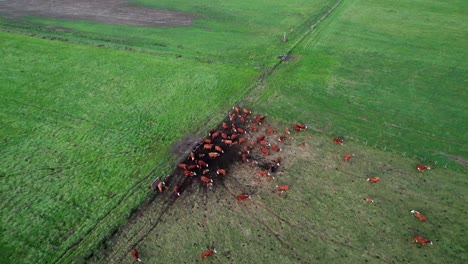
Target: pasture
[[323, 218], [83, 129], [86, 128], [389, 75]]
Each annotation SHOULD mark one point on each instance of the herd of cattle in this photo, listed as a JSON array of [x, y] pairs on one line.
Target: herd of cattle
[[246, 138]]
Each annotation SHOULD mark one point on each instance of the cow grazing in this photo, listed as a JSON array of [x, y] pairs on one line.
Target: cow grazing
[[276, 148], [193, 167], [338, 140], [253, 128], [221, 172], [191, 156], [263, 173], [207, 146], [241, 197], [234, 136], [242, 140], [271, 131], [282, 138], [259, 119], [299, 127], [264, 143], [265, 151], [369, 200], [215, 135], [233, 128], [348, 156], [242, 119], [219, 149], [213, 155], [422, 168], [260, 138], [182, 166], [240, 130], [208, 253], [419, 216], [204, 172], [246, 149], [236, 109], [208, 181], [244, 158], [211, 132], [232, 116], [421, 240], [286, 130], [201, 163], [282, 187], [135, 255], [278, 161], [177, 190], [227, 141], [224, 136], [246, 112], [373, 179], [189, 173], [161, 186]]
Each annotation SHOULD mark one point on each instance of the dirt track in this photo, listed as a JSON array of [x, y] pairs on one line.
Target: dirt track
[[118, 12]]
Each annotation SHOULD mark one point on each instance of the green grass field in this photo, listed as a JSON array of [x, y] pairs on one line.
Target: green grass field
[[83, 127], [389, 74], [84, 130]]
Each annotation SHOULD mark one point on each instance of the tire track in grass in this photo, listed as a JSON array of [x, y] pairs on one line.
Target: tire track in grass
[[167, 204], [102, 221]]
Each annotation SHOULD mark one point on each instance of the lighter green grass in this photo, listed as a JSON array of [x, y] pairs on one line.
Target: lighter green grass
[[81, 130], [391, 73]]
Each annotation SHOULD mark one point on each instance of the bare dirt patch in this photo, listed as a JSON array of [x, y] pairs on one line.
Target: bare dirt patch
[[117, 12]]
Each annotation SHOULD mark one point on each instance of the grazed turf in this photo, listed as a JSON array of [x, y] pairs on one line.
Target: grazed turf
[[323, 218]]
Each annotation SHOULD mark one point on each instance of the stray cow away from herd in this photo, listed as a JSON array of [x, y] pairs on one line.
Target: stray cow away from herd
[[237, 132]]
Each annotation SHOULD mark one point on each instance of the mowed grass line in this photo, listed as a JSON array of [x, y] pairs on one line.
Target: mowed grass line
[[82, 126], [323, 218], [391, 74]]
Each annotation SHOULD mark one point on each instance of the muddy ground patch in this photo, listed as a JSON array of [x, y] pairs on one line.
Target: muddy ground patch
[[117, 12]]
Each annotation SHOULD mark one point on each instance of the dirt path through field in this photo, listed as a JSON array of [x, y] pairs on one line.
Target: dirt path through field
[[118, 12]]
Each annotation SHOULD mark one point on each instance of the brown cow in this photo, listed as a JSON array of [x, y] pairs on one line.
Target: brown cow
[[135, 255], [213, 155], [373, 179], [221, 172], [208, 253]]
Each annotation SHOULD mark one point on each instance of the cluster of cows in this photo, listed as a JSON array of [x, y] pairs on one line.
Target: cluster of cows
[[376, 179], [246, 138]]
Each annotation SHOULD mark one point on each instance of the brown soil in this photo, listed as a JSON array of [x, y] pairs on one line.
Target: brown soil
[[118, 12]]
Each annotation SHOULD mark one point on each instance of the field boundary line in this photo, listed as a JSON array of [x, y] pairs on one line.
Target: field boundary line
[[269, 71]]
